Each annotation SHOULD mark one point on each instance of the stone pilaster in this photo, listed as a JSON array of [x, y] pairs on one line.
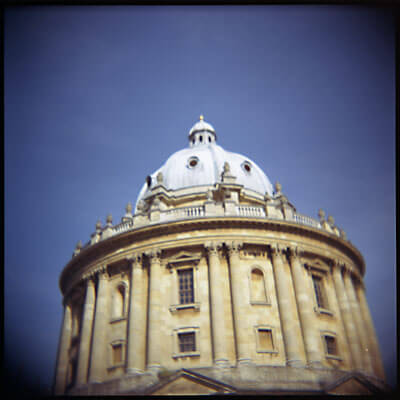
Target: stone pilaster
[[62, 362], [305, 308], [99, 360], [369, 325], [86, 333], [153, 336], [217, 305], [239, 299], [137, 318], [289, 319], [345, 311], [356, 314]]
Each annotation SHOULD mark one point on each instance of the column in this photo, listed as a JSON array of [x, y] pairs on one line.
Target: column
[[305, 308], [153, 343], [86, 333], [289, 321], [349, 326], [373, 342], [239, 299], [137, 318], [62, 362], [356, 313], [217, 306], [99, 360]]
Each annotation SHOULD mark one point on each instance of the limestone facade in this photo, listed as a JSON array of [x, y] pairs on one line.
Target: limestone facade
[[216, 289]]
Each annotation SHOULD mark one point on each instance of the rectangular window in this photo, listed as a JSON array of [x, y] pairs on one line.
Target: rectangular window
[[187, 342], [319, 291], [265, 339], [330, 345], [186, 293], [117, 353]]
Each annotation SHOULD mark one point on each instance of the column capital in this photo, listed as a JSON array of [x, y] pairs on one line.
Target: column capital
[[135, 258], [234, 247], [213, 247], [277, 249], [101, 272], [295, 251], [154, 254]]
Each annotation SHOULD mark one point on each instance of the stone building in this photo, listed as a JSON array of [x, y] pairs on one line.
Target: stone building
[[216, 284]]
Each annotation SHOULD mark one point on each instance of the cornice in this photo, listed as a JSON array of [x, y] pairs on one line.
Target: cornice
[[98, 250]]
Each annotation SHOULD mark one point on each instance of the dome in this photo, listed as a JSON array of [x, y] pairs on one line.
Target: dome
[[202, 164]]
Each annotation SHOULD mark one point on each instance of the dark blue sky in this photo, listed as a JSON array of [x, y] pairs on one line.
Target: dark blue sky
[[96, 98]]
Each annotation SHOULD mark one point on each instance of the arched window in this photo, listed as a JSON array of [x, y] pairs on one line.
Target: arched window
[[119, 301], [257, 286]]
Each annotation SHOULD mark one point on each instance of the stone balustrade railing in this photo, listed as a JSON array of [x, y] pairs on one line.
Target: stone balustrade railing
[[306, 220], [250, 211], [198, 212]]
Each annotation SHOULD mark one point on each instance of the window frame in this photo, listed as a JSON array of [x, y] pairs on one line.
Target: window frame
[[267, 301], [125, 300], [330, 334], [176, 353], [181, 262], [270, 328], [114, 343], [320, 272]]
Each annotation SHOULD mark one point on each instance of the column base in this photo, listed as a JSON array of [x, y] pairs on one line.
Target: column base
[[244, 362], [154, 369], [134, 371], [222, 363], [315, 365], [295, 363]]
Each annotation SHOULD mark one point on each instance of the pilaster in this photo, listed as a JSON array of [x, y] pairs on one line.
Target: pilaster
[[289, 319], [238, 277], [369, 325], [305, 308], [153, 337], [136, 352], [86, 332], [98, 362], [62, 362], [366, 364], [217, 305]]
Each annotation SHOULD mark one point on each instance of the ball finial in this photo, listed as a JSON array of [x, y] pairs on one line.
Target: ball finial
[[201, 117]]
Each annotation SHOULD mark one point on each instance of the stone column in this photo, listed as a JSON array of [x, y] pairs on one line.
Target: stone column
[[349, 326], [153, 334], [217, 306], [99, 359], [86, 333], [239, 299], [62, 362], [137, 318], [356, 313], [289, 319], [305, 308], [373, 342]]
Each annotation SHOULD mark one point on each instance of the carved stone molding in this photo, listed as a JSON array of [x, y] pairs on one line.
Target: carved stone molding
[[213, 247], [295, 251], [135, 260], [154, 255], [277, 249], [234, 247]]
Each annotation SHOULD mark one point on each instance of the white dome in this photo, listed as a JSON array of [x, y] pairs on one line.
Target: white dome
[[202, 164]]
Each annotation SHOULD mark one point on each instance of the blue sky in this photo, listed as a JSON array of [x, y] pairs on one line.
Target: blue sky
[[96, 98]]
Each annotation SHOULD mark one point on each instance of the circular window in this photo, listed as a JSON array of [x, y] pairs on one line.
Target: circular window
[[192, 162], [246, 166]]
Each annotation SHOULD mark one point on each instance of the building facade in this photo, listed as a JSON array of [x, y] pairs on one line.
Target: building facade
[[216, 284]]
